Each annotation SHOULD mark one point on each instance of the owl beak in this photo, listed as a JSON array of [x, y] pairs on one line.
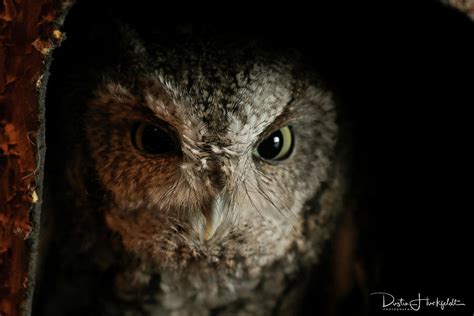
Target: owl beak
[[213, 217]]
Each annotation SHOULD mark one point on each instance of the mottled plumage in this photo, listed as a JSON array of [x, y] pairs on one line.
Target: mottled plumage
[[211, 228]]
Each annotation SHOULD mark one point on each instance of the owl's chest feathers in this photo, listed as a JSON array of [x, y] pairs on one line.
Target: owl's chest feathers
[[205, 285]]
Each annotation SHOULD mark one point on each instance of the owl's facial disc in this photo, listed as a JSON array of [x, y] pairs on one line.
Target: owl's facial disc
[[215, 163]]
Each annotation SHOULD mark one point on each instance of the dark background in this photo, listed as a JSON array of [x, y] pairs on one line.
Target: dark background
[[404, 71]]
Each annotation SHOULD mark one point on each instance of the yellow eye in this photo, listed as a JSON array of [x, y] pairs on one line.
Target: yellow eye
[[277, 146], [154, 140]]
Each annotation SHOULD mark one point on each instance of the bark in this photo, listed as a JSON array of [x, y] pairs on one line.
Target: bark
[[29, 31]]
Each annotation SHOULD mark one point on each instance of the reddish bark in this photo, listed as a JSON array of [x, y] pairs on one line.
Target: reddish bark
[[28, 33]]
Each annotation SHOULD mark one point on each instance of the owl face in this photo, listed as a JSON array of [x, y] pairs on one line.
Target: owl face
[[210, 155]]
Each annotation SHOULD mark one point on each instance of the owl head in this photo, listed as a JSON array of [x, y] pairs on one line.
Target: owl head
[[208, 150]]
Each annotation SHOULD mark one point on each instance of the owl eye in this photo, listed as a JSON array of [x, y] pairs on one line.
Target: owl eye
[[277, 146], [151, 139]]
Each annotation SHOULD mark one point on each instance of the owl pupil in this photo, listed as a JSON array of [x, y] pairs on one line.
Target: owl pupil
[[153, 140], [271, 146]]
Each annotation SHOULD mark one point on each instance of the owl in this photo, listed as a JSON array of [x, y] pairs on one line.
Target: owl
[[205, 176]]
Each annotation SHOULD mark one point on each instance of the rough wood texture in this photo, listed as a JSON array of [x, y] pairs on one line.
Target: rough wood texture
[[28, 33]]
